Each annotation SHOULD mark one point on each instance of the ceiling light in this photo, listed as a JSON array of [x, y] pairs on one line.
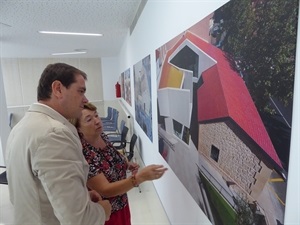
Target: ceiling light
[[70, 33], [70, 53]]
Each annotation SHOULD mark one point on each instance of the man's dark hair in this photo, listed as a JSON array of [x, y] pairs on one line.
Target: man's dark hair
[[62, 72]]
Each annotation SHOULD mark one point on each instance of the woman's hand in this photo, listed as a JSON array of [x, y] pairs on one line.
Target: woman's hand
[[107, 208], [133, 167], [151, 172], [95, 196]]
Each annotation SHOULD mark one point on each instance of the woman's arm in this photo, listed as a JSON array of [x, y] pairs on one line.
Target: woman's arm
[[100, 184]]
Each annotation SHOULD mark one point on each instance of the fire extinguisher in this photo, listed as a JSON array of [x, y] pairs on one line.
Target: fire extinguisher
[[118, 90]]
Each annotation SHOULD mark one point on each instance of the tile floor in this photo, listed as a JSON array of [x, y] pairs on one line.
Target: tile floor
[[146, 208]]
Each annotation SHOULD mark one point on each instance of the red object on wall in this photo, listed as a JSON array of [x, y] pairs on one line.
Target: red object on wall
[[118, 90]]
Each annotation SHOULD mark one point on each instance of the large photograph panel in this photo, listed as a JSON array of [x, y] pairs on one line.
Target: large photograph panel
[[127, 86], [142, 95], [224, 100]]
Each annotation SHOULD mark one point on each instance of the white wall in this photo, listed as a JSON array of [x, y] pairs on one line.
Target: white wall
[[4, 123], [23, 75], [159, 22], [110, 77]]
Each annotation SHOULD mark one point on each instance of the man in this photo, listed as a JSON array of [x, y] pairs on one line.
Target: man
[[46, 170]]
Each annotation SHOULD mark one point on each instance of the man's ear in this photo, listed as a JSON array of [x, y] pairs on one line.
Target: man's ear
[[57, 89]]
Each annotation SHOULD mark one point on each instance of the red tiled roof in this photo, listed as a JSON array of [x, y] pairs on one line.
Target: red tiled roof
[[224, 94]]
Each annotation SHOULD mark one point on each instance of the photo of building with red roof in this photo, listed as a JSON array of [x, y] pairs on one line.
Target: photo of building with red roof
[[231, 136]]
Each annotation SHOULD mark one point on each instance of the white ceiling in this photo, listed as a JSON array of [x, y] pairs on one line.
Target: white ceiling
[[20, 21]]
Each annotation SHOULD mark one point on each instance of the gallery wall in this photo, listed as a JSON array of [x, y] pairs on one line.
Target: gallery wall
[[23, 74], [159, 23], [110, 77], [4, 128]]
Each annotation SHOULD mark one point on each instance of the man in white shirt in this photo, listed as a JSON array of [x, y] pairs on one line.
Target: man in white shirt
[[46, 170]]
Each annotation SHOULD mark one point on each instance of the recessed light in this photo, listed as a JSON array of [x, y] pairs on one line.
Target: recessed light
[[70, 33], [69, 53]]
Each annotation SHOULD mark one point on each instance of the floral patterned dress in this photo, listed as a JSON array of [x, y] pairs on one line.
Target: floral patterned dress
[[109, 162]]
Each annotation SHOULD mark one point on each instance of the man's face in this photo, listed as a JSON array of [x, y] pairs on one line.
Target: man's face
[[74, 98]]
